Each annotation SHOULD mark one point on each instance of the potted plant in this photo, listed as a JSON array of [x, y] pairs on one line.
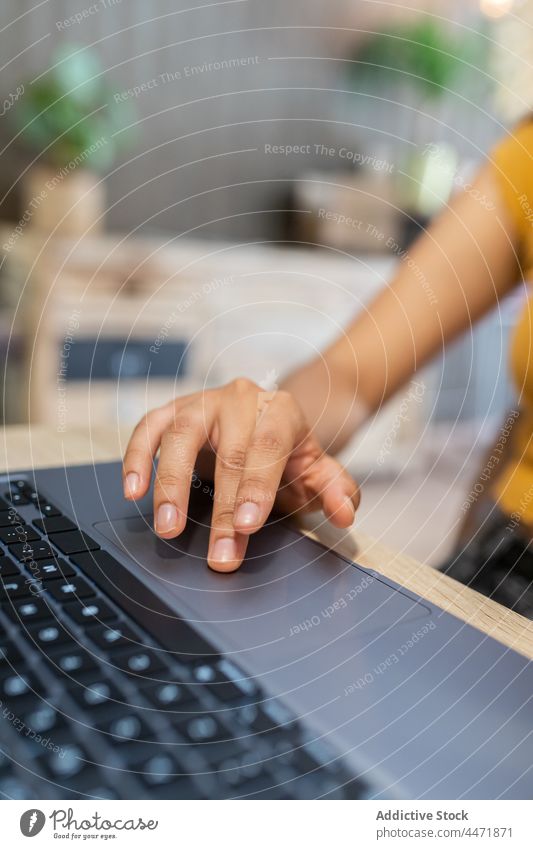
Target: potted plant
[[67, 121], [420, 61]]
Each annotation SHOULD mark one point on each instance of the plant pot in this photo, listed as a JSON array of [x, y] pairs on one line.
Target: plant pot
[[63, 204]]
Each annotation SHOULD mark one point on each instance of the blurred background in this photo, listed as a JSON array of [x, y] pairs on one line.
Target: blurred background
[[191, 193]]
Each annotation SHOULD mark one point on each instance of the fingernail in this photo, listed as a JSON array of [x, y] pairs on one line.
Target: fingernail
[[167, 518], [224, 551], [248, 515], [131, 484]]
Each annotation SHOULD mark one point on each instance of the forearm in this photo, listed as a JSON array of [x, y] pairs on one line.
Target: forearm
[[453, 275], [326, 395]]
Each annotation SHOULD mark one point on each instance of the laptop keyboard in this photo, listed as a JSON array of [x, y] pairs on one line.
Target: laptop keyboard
[[92, 706]]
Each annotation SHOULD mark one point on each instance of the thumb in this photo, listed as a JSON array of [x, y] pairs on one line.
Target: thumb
[[337, 491], [316, 481]]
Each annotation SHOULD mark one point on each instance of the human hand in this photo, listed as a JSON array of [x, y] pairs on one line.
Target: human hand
[[263, 453]]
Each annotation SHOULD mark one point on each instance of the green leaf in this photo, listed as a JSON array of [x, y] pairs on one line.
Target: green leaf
[[424, 53], [67, 111]]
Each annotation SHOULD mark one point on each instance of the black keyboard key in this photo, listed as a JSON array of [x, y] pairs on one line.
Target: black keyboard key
[[32, 495], [48, 510], [28, 610], [18, 534], [71, 760], [157, 770], [72, 588], [20, 484], [42, 719], [113, 638], [73, 542], [17, 498], [270, 716], [203, 728], [96, 562], [126, 727], [90, 612], [225, 680], [8, 518], [139, 661], [54, 525], [215, 753], [96, 692], [52, 570], [289, 752], [8, 567], [73, 661], [253, 718], [18, 587], [28, 551], [243, 768], [47, 635], [169, 696], [12, 787], [207, 675], [17, 686]]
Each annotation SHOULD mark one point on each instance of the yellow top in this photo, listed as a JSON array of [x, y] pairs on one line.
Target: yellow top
[[512, 161]]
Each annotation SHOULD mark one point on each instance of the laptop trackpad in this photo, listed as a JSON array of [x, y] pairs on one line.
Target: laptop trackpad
[[290, 597]]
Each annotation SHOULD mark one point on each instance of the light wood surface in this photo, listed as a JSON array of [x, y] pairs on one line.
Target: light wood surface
[[23, 447]]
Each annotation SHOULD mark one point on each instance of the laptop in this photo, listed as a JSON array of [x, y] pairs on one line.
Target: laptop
[[129, 669]]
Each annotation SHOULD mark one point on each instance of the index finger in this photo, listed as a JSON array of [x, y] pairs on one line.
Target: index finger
[[143, 444]]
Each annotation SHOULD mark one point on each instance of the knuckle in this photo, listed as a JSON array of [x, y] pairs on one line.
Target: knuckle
[[134, 456], [142, 425], [243, 385], [223, 514], [258, 486], [268, 442], [167, 479], [233, 460], [184, 423], [156, 415], [173, 439]]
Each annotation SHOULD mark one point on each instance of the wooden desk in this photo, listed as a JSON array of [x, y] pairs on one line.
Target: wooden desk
[[22, 447]]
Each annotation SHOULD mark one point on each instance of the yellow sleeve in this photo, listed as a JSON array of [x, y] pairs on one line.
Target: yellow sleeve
[[512, 164]]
